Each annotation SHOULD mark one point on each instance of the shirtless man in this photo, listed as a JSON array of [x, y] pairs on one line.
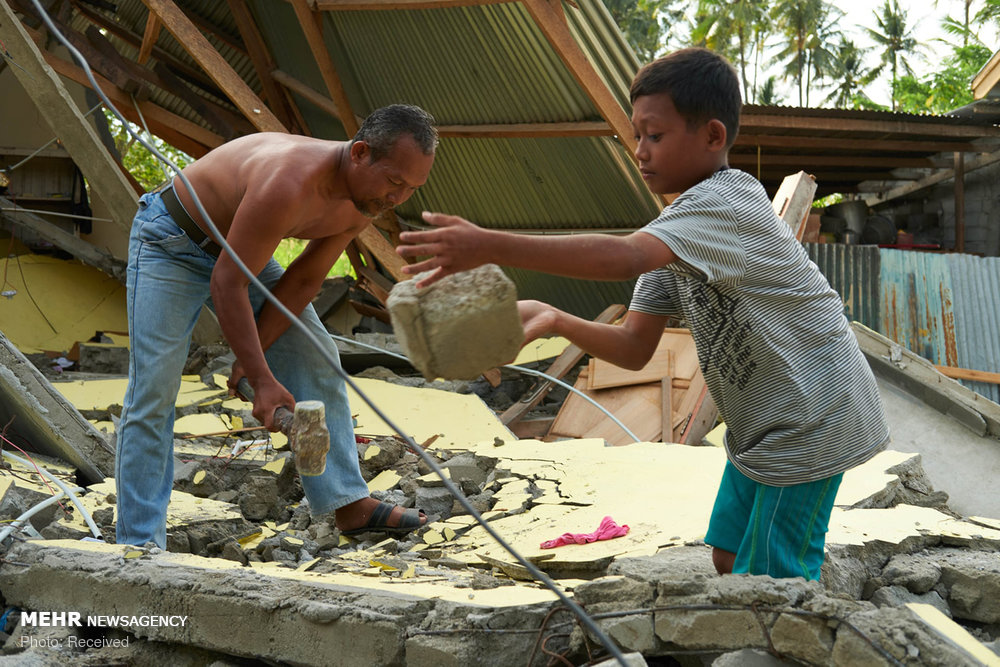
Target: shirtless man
[[258, 190]]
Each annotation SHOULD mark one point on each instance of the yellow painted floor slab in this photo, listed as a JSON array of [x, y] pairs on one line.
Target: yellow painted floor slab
[[458, 419], [71, 302], [433, 587]]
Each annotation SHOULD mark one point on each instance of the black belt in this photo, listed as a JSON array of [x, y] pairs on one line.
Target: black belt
[[187, 225]]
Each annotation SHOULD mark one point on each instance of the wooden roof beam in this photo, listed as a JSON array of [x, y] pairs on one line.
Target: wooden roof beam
[[149, 37], [312, 28], [840, 143], [189, 137], [550, 17], [812, 161], [750, 121], [191, 74], [220, 71], [262, 62]]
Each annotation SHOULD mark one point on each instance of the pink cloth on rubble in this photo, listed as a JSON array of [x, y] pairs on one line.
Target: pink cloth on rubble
[[606, 531]]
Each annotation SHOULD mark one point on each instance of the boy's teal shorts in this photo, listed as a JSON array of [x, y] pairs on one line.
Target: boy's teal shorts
[[775, 530]]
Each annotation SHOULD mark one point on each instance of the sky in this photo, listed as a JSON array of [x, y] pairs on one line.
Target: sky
[[923, 18]]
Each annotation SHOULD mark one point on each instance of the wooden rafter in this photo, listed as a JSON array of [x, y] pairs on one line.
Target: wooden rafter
[[149, 37], [191, 74], [263, 62], [189, 37], [551, 20], [312, 27], [848, 143], [890, 127], [189, 137]]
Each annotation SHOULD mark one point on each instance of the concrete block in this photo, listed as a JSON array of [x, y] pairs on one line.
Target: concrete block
[[807, 639], [460, 326], [720, 629], [748, 658]]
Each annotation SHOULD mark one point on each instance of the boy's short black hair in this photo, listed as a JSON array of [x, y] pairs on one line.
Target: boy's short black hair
[[701, 83], [385, 125]]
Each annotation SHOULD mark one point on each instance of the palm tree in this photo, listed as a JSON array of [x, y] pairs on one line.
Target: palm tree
[[849, 71], [768, 94], [895, 40], [801, 22], [731, 27], [646, 24], [820, 52], [965, 23]]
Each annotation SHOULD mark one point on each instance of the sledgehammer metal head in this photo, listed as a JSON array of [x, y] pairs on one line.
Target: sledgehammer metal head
[[306, 429]]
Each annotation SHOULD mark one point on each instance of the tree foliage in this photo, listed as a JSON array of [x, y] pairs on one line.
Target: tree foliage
[[138, 160]]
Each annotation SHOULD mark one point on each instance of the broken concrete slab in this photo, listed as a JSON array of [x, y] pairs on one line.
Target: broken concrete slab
[[459, 327], [277, 614], [42, 417]]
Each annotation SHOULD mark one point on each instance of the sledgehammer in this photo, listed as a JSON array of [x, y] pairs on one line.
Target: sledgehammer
[[306, 429]]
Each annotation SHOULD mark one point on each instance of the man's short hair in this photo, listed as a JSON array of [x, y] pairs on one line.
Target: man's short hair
[[701, 83], [383, 127]]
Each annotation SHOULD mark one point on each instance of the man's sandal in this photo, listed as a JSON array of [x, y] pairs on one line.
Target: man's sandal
[[378, 521]]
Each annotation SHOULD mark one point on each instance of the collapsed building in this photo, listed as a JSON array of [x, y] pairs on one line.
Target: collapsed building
[[248, 577]]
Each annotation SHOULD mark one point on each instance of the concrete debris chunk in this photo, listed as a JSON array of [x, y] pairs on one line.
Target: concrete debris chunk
[[460, 326]]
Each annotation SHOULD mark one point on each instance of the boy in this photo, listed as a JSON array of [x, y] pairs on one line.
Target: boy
[[258, 190], [799, 400]]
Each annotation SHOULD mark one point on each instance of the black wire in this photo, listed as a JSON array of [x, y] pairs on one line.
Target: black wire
[[330, 359]]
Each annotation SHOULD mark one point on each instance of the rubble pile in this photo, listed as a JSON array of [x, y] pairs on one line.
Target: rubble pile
[[907, 581]]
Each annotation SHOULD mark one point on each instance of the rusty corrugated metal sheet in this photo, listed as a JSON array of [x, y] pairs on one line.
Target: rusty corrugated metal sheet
[[854, 272], [976, 295], [917, 304]]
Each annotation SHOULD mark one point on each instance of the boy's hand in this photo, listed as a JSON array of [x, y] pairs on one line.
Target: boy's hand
[[455, 245], [537, 319]]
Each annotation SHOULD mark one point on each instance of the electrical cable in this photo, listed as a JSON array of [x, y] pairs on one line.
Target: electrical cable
[[19, 521], [520, 369], [65, 489], [38, 211], [295, 321]]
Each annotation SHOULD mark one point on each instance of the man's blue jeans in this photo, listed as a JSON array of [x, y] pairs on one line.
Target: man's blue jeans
[[168, 281]]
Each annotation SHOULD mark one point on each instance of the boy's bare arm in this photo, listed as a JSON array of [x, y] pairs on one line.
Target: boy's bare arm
[[455, 244], [629, 345]]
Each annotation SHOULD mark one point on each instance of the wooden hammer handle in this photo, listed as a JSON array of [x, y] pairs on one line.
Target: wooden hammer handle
[[282, 415]]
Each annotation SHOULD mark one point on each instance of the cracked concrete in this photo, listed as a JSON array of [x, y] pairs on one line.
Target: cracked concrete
[[907, 580]]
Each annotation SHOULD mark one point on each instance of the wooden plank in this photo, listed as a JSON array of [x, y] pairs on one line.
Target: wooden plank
[[220, 71], [527, 130], [190, 137], [667, 401], [551, 19], [638, 407], [383, 252], [604, 374], [260, 57], [149, 37], [311, 23], [565, 362], [794, 199], [54, 103], [968, 374]]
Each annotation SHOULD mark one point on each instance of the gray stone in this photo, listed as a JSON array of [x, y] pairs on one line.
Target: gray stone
[[919, 573], [897, 596], [803, 637], [435, 500], [631, 659], [460, 326]]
